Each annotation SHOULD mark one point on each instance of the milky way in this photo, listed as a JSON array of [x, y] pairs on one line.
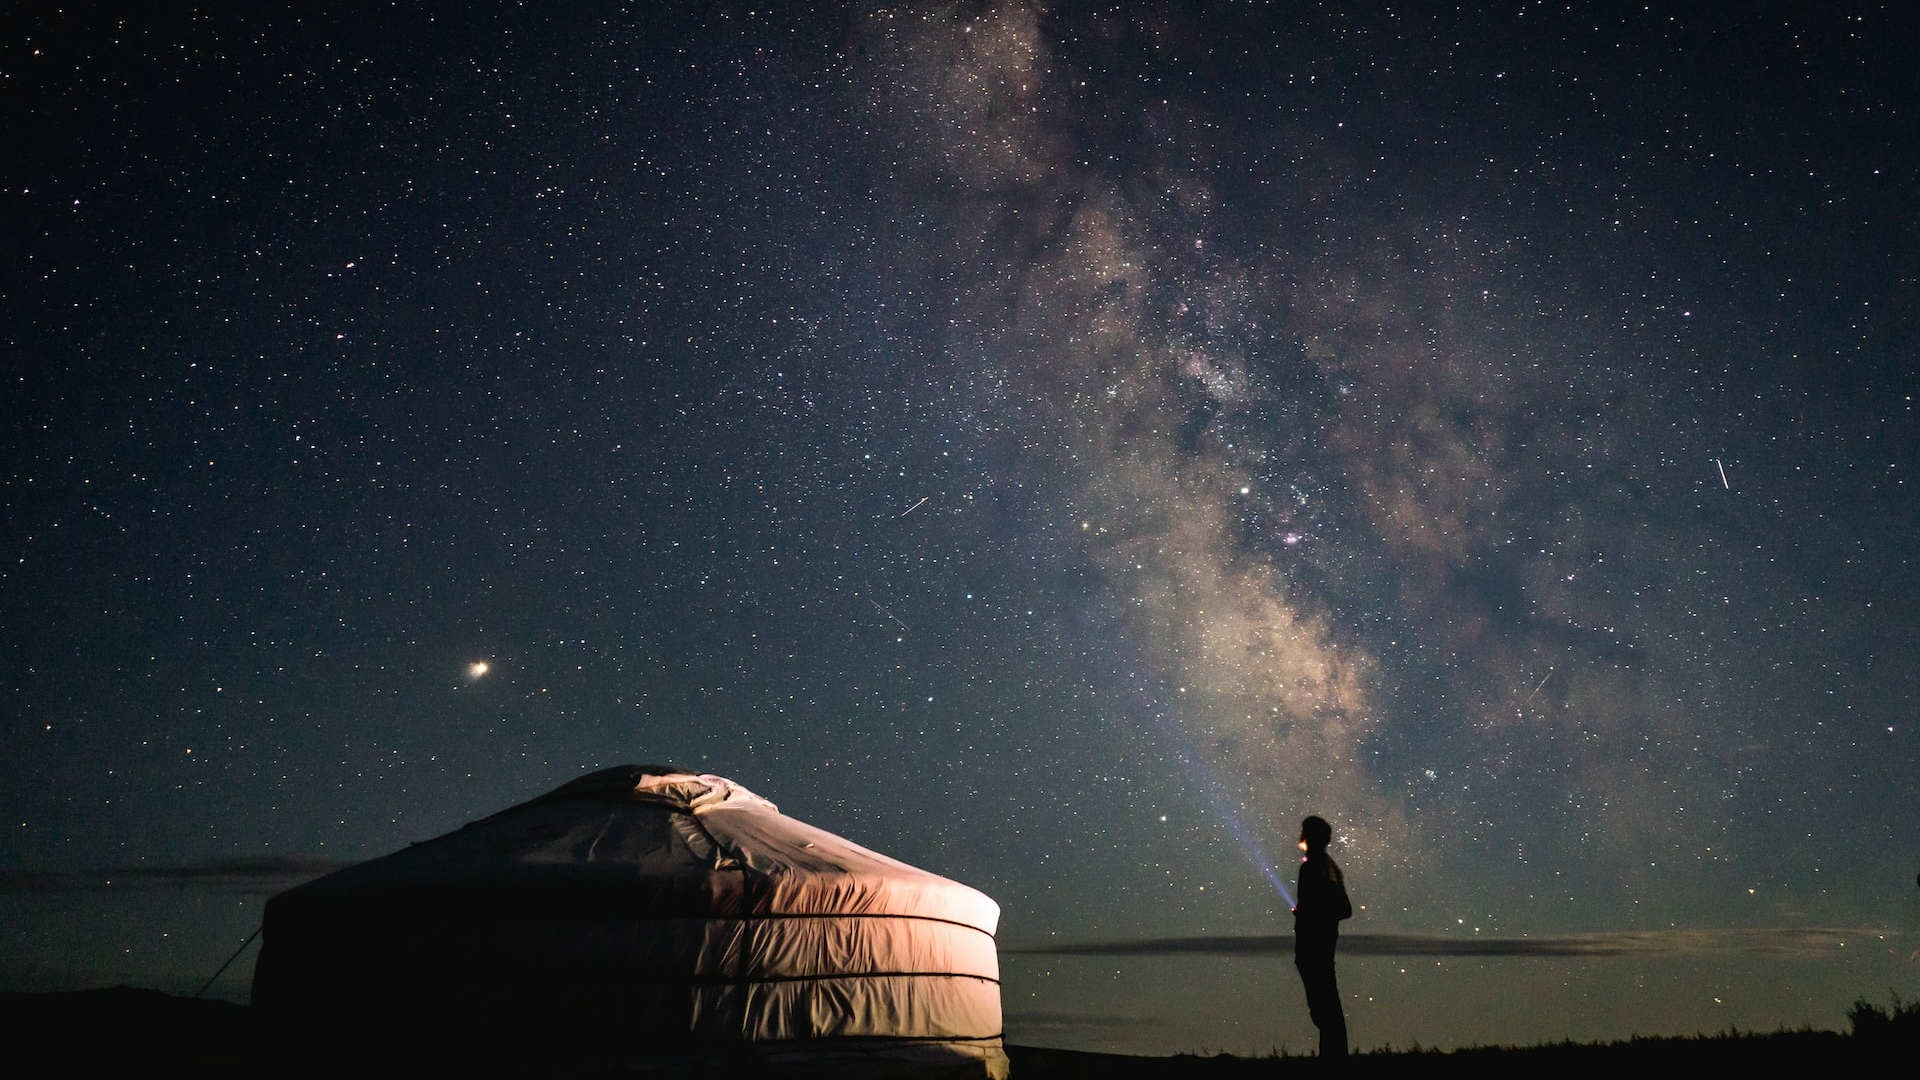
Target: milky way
[[1405, 520]]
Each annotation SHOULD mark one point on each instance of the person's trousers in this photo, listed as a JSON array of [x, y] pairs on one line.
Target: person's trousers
[[1315, 962]]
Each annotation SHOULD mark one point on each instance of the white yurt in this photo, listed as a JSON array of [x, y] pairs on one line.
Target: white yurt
[[640, 918]]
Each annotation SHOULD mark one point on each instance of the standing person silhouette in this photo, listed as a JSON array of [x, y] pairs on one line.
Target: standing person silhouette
[[1316, 930]]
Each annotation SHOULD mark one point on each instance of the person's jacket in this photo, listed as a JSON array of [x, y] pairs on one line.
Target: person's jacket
[[1323, 899]]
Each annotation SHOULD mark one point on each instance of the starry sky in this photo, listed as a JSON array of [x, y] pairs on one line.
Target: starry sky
[[1057, 445]]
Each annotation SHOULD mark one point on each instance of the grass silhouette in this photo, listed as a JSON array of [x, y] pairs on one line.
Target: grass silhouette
[[88, 1032]]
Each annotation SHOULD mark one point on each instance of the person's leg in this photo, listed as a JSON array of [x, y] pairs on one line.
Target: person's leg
[[1331, 1018], [1323, 1002]]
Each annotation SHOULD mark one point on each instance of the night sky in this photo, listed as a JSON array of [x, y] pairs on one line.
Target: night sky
[[1058, 446]]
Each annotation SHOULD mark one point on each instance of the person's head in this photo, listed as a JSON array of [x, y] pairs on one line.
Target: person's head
[[1315, 834]]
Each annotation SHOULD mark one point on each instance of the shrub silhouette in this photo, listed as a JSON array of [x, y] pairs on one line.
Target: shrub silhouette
[[1900, 1024]]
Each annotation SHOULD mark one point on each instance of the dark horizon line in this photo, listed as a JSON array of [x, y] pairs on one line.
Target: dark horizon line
[[1760, 940], [245, 873]]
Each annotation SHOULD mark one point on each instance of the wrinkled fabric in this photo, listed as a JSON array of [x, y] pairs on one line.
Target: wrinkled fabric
[[673, 907]]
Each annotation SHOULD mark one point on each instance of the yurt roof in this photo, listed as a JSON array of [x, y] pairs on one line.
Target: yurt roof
[[664, 841]]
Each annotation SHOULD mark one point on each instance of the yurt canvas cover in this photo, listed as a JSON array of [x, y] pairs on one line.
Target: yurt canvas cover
[[638, 917]]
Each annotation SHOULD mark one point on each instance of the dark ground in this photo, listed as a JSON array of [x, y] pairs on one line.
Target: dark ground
[[95, 1031]]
